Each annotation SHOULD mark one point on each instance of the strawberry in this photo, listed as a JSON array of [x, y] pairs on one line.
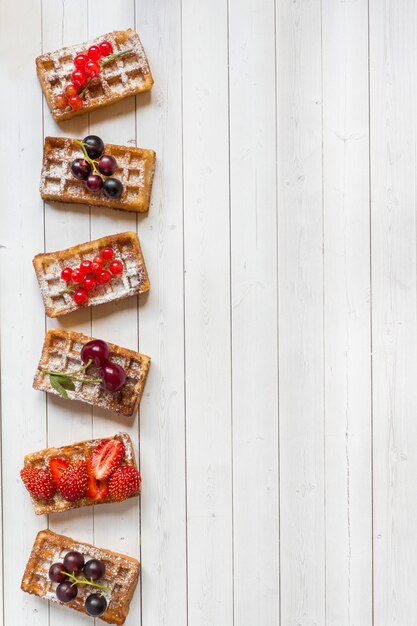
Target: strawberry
[[38, 482], [96, 489], [106, 458], [124, 482], [73, 481], [57, 467]]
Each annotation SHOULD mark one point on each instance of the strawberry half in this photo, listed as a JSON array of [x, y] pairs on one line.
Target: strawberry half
[[38, 482], [96, 489], [124, 482], [106, 458], [74, 481], [57, 467]]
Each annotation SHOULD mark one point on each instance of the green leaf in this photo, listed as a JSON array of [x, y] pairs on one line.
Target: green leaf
[[56, 384], [65, 381]]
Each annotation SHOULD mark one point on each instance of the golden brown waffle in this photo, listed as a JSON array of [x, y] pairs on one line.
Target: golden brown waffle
[[128, 75], [80, 450], [62, 352], [121, 574], [134, 279], [135, 171]]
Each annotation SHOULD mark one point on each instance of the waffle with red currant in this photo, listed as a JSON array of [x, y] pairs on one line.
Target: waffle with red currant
[[78, 367], [104, 270], [94, 74], [90, 172], [89, 472], [91, 580]]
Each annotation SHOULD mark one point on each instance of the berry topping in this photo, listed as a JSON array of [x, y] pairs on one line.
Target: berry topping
[[89, 284], [106, 48], [94, 146], [71, 90], [74, 482], [97, 351], [66, 274], [116, 267], [57, 467], [94, 569], [94, 182], [73, 561], [124, 483], [94, 53], [104, 277], [80, 296], [112, 188], [95, 604], [75, 103], [38, 482], [107, 165], [65, 592], [57, 573], [92, 69], [107, 254], [97, 267], [81, 169], [96, 489], [61, 101], [86, 266], [99, 260], [79, 79], [113, 377], [78, 275], [106, 458], [80, 60]]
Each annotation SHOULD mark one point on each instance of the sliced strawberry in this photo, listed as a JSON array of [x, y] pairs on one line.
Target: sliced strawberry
[[38, 482], [57, 467], [74, 481], [124, 483], [96, 489], [106, 458]]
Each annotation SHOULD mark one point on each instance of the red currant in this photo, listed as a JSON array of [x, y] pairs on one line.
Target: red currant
[[66, 274], [89, 284], [116, 267], [92, 69], [60, 101], [97, 267], [78, 275], [80, 296], [75, 103], [104, 277], [71, 90], [86, 266], [98, 259], [80, 60], [106, 48], [107, 254], [79, 78], [94, 53]]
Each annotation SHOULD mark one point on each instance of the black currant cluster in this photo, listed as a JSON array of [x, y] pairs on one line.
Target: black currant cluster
[[96, 169]]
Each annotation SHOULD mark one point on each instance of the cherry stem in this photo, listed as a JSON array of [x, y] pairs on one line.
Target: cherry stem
[[71, 374], [90, 160], [84, 581]]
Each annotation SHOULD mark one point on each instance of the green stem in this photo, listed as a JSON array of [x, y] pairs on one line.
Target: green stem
[[114, 56], [85, 581], [91, 161], [71, 374]]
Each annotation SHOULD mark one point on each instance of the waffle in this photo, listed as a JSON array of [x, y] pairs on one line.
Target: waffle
[[62, 352], [135, 171], [120, 78], [80, 450], [132, 281], [121, 574]]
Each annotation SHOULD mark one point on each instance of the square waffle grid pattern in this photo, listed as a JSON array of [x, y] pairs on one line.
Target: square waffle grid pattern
[[122, 77], [135, 169], [121, 574], [134, 279], [63, 353]]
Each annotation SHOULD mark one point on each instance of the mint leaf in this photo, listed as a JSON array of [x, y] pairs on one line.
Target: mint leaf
[[65, 381], [56, 384]]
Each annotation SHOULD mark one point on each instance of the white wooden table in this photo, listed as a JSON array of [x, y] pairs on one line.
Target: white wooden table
[[278, 431]]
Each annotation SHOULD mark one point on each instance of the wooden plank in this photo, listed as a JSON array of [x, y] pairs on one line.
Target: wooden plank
[[393, 48], [300, 284], [207, 312], [254, 313], [347, 314]]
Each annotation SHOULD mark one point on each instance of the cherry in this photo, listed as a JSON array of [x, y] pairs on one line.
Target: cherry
[[104, 277], [80, 296], [78, 275], [89, 284], [113, 377], [96, 350], [116, 267], [61, 101], [75, 103], [106, 48], [66, 274], [107, 165], [92, 69], [79, 78], [86, 266], [71, 90], [94, 182], [107, 254], [94, 53], [80, 60]]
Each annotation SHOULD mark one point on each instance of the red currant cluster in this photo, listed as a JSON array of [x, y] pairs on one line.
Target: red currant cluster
[[83, 280]]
